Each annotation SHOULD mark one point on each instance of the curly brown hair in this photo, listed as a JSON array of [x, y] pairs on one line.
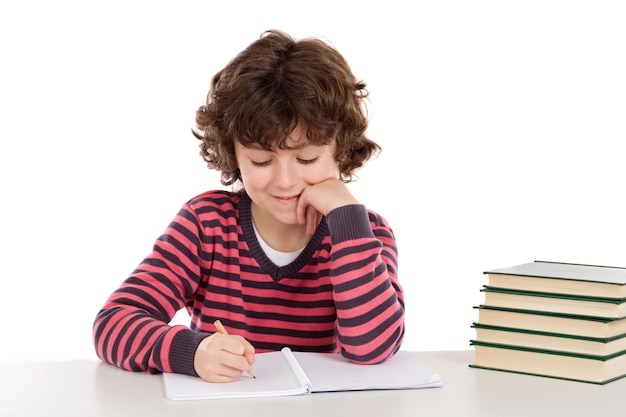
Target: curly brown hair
[[275, 85]]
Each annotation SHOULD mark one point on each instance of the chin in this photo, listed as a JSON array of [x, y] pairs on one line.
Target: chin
[[287, 219]]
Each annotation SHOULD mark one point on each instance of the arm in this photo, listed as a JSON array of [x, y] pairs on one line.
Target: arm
[[367, 294], [131, 330], [366, 290]]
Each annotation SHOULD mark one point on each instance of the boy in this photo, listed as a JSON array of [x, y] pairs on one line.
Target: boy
[[288, 257]]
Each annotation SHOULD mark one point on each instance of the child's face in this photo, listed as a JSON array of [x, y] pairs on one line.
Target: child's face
[[275, 180]]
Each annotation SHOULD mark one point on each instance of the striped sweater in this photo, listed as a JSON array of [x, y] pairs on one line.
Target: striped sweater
[[341, 294]]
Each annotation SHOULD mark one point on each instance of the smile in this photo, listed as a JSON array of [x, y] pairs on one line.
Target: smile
[[287, 199]]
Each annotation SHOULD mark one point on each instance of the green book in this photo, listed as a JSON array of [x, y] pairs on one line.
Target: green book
[[562, 342], [596, 369], [541, 321], [555, 303], [561, 278]]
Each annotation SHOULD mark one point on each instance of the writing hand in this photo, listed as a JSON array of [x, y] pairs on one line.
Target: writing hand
[[223, 358]]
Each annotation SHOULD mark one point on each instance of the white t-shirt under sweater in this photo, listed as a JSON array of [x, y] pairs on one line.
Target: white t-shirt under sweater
[[277, 257]]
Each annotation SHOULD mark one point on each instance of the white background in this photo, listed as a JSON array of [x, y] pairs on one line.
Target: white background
[[502, 124]]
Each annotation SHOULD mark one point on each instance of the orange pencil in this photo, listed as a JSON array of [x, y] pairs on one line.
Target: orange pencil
[[220, 328]]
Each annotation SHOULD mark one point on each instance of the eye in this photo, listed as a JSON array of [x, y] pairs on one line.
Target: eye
[[260, 164], [307, 161]]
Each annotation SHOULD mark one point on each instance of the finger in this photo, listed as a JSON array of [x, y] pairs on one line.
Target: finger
[[242, 351], [301, 209], [225, 373], [234, 365], [236, 345], [312, 218], [249, 351]]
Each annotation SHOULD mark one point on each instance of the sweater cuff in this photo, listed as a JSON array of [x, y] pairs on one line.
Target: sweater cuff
[[348, 223], [183, 350]]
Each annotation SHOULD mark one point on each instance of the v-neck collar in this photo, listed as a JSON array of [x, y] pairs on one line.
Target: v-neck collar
[[277, 272]]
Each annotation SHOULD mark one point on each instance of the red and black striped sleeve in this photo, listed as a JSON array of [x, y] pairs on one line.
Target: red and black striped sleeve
[[367, 294], [131, 330]]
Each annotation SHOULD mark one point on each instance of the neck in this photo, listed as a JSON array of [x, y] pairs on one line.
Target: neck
[[279, 236]]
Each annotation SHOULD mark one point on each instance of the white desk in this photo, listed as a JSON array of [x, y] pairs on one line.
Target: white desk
[[91, 388]]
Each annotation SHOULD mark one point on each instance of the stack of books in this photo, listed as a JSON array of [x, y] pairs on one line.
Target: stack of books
[[554, 319]]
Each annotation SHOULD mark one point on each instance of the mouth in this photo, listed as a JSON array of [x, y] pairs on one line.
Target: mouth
[[287, 199]]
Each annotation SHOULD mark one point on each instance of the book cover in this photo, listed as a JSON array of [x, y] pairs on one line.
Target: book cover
[[285, 373], [557, 303], [563, 278], [548, 363]]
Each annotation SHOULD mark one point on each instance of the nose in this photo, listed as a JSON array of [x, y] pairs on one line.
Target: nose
[[285, 174]]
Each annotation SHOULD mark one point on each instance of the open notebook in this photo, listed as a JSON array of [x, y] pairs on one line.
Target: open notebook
[[295, 373]]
